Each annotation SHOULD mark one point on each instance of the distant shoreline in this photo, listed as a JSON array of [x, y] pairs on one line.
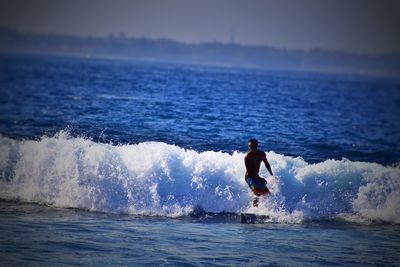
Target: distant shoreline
[[204, 54]]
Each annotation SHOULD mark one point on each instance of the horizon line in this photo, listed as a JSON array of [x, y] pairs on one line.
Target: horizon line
[[123, 35]]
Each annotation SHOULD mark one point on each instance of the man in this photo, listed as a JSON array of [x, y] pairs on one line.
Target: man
[[252, 160]]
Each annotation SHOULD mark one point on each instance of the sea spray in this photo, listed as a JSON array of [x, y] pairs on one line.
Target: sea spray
[[155, 178]]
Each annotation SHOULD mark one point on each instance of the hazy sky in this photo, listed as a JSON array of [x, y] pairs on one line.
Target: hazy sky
[[353, 25]]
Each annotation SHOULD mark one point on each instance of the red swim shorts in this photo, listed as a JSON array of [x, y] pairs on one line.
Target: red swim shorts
[[258, 187]]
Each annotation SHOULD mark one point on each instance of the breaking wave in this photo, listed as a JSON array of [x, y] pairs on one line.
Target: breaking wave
[[155, 178]]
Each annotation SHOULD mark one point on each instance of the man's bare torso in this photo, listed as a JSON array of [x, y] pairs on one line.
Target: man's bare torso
[[253, 161]]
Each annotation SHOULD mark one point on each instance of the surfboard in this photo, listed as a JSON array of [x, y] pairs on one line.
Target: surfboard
[[250, 218]]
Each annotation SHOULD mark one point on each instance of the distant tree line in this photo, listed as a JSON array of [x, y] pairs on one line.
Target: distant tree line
[[213, 53]]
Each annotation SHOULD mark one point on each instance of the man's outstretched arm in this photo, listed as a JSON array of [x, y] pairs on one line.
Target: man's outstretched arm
[[267, 165]]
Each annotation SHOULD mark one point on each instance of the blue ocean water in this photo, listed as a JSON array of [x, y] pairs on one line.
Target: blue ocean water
[[43, 236], [142, 163], [315, 116]]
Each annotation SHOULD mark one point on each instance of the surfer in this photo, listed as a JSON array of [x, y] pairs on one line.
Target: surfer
[[252, 160]]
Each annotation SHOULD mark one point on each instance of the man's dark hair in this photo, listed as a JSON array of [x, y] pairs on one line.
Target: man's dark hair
[[253, 141]]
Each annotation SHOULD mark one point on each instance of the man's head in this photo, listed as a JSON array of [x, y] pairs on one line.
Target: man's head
[[253, 144]]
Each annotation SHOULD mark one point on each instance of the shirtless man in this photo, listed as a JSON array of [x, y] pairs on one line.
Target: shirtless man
[[252, 160]]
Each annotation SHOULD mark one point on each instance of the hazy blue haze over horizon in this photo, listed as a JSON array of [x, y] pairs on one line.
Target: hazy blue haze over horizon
[[364, 26]]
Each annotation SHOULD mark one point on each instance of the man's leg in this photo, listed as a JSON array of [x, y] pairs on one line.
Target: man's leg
[[255, 201]]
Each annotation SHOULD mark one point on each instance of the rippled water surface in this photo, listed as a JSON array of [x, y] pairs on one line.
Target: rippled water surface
[[316, 116], [40, 235]]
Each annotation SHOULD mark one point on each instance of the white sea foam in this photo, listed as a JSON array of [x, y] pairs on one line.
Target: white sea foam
[[155, 178]]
